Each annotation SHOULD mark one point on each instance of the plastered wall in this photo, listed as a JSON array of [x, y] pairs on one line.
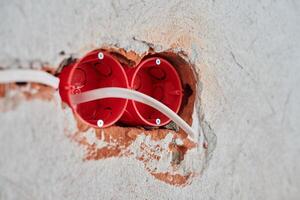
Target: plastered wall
[[246, 60]]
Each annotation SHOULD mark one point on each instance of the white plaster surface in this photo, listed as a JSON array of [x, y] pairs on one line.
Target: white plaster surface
[[247, 61]]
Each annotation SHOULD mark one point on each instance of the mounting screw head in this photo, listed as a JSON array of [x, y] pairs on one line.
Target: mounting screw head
[[100, 55], [157, 121], [76, 91], [157, 61], [100, 123]]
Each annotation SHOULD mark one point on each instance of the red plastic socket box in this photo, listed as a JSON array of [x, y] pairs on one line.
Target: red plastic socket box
[[157, 78], [95, 70], [154, 76]]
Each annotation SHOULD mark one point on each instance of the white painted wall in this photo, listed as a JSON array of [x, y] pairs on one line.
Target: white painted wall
[[247, 59]]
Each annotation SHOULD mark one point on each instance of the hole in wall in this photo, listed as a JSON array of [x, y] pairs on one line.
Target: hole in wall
[[182, 67], [119, 139], [21, 83]]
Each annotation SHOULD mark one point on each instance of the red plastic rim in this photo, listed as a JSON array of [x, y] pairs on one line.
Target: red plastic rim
[[98, 69], [157, 78]]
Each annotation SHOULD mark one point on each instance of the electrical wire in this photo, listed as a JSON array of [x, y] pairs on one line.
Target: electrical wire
[[115, 92], [28, 75]]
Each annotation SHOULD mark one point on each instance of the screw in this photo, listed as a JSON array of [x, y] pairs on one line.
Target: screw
[[76, 91], [100, 123], [100, 55], [157, 61], [157, 121]]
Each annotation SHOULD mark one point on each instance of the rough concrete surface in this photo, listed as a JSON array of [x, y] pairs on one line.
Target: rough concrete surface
[[247, 63]]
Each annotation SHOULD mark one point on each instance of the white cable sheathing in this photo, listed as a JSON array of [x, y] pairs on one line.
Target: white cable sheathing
[[115, 92], [28, 75]]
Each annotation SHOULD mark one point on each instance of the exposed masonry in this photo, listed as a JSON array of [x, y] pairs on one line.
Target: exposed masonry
[[166, 160]]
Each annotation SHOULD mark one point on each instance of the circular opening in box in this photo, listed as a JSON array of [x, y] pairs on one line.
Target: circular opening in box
[[98, 70], [157, 78]]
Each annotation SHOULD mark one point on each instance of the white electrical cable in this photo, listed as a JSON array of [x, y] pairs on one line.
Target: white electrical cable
[[28, 75], [116, 92]]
